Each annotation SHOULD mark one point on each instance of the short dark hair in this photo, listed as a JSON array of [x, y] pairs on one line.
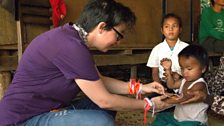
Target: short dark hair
[[197, 52], [171, 15], [212, 2], [108, 11]]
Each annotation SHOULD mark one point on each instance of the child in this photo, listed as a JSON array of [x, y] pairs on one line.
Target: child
[[211, 32], [171, 27], [193, 61], [58, 11]]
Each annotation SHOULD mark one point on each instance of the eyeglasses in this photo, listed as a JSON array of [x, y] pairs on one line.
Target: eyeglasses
[[119, 35]]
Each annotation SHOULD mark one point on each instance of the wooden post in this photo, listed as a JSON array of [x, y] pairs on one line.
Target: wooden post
[[19, 39], [133, 72]]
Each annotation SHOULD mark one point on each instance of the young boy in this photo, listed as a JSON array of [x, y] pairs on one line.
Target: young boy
[[193, 61]]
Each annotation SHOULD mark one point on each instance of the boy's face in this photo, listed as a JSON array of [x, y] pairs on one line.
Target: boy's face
[[191, 68], [171, 29]]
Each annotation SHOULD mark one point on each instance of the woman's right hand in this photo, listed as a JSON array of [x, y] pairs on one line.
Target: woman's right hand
[[159, 103]]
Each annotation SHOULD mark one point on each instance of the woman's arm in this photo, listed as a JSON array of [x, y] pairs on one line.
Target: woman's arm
[[98, 93]]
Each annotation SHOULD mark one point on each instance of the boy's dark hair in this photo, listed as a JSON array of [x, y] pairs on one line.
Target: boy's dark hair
[[171, 15], [212, 2], [108, 11], [197, 52]]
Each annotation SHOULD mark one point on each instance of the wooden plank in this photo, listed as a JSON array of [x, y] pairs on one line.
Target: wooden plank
[[196, 12], [19, 40], [35, 11], [120, 50], [102, 60], [8, 63], [7, 28], [38, 3], [5, 79], [147, 30], [32, 31], [133, 71], [27, 19], [8, 47]]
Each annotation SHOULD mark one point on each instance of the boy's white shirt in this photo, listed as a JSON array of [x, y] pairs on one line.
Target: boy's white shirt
[[162, 50], [192, 111]]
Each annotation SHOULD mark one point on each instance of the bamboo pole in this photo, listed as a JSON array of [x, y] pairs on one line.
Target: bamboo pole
[[19, 39]]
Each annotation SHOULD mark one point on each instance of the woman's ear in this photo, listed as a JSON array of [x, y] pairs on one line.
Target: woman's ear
[[101, 27]]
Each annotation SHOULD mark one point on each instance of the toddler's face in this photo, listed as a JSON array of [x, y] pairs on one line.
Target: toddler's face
[[171, 28], [191, 68]]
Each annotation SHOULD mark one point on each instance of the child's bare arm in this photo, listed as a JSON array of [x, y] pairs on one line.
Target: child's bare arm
[[155, 74], [171, 82], [200, 86]]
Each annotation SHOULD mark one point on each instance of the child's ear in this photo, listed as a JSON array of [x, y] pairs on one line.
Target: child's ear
[[161, 30], [203, 70], [180, 30]]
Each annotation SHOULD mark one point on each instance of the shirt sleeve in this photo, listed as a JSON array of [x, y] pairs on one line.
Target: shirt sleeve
[[153, 60]]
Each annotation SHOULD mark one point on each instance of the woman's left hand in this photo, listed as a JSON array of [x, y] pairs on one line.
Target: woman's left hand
[[153, 87]]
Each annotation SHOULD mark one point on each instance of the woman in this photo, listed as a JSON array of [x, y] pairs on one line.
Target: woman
[[57, 65]]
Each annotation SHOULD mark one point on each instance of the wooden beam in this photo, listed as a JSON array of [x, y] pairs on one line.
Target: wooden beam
[[133, 71], [39, 3], [38, 11], [8, 63], [8, 47], [5, 79], [102, 60], [36, 20], [19, 40]]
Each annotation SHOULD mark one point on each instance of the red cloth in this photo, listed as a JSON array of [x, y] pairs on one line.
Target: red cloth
[[58, 9]]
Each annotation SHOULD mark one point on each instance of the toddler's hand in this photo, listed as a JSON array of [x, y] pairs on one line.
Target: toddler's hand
[[166, 63]]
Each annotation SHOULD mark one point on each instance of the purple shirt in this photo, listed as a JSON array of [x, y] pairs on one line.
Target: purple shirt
[[44, 79]]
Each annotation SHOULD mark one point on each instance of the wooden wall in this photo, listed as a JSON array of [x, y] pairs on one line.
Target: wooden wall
[[147, 31], [134, 49], [7, 28], [136, 46], [149, 14]]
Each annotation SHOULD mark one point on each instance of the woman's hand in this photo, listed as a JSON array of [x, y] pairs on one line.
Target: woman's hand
[[153, 87], [159, 103]]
